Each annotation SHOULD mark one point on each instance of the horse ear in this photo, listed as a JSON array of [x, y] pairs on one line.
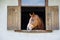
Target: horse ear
[[33, 13], [29, 14]]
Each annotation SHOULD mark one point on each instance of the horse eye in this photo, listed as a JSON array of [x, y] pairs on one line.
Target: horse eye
[[32, 20]]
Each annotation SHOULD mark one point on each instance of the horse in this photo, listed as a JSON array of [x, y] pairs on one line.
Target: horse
[[35, 22]]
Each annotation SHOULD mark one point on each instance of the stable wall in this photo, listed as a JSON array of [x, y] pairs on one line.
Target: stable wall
[[11, 35]]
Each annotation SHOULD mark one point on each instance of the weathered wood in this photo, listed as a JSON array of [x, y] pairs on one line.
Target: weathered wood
[[34, 31], [13, 18], [52, 18]]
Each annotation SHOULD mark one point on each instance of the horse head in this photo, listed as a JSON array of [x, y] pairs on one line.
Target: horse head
[[35, 22]]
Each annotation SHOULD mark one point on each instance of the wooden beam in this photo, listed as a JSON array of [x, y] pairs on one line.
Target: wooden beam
[[34, 31], [46, 2], [19, 2]]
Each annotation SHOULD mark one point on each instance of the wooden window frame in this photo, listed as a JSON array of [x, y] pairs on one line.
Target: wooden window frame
[[39, 31]]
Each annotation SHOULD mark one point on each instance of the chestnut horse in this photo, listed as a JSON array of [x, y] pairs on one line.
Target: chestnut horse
[[35, 22]]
